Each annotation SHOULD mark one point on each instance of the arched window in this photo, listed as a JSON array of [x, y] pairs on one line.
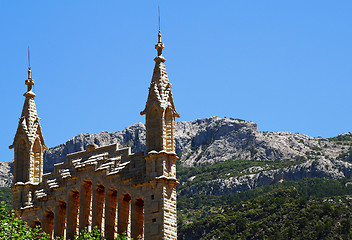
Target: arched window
[[22, 162], [154, 134]]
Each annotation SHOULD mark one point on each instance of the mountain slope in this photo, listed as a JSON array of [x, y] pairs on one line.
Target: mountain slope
[[282, 213]]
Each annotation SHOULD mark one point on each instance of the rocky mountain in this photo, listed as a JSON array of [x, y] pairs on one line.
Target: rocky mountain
[[271, 156]]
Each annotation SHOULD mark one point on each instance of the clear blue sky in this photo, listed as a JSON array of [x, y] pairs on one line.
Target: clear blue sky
[[286, 65]]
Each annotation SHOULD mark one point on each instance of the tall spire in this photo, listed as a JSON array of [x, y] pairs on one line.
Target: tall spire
[[160, 109], [29, 142]]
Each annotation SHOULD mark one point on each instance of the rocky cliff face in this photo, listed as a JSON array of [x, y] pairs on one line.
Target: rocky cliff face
[[320, 168], [213, 140], [6, 174]]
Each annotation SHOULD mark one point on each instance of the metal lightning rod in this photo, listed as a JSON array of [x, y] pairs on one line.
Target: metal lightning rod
[[29, 58], [159, 16]]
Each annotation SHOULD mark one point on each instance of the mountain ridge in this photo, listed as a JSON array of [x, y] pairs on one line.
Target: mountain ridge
[[214, 140]]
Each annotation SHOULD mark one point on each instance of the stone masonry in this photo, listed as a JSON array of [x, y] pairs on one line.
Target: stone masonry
[[105, 187]]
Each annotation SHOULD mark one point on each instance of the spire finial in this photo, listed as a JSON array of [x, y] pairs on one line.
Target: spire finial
[[29, 81]]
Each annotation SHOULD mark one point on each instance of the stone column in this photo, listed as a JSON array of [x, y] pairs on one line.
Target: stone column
[[110, 213], [60, 219], [98, 206], [85, 203], [73, 208], [124, 213]]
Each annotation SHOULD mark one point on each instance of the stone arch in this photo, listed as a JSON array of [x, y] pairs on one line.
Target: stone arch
[[49, 223], [138, 218], [37, 163], [22, 161], [60, 219], [36, 223], [169, 131], [110, 213], [154, 129], [73, 208], [98, 206], [85, 205], [124, 213]]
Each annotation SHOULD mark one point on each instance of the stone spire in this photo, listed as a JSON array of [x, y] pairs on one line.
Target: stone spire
[[160, 109], [29, 143]]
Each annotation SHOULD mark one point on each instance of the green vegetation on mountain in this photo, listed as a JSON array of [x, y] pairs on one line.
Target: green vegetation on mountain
[[207, 216], [281, 213], [342, 139], [6, 196], [192, 208]]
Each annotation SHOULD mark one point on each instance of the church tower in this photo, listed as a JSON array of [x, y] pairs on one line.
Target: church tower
[[160, 157], [160, 109], [28, 144]]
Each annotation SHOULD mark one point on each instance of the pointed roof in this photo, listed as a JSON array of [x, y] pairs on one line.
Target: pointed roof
[[160, 93], [29, 123]]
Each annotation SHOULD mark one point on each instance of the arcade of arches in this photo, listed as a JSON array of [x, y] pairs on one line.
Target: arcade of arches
[[111, 216]]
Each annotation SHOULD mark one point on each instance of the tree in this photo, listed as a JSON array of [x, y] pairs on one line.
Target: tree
[[14, 228]]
